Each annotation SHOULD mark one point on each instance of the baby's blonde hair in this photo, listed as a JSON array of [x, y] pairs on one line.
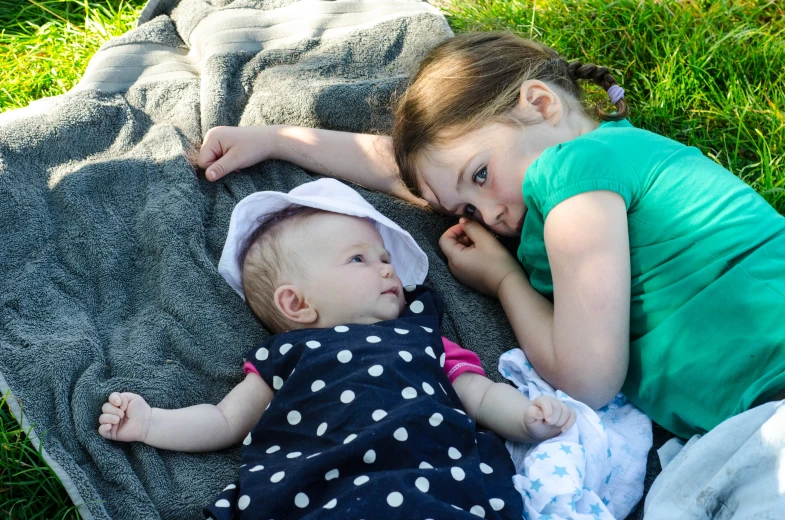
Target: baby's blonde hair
[[267, 261], [474, 79]]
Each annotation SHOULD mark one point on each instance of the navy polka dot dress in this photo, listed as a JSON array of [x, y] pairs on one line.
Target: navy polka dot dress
[[365, 424]]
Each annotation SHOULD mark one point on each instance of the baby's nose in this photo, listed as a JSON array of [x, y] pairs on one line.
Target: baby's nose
[[386, 270]]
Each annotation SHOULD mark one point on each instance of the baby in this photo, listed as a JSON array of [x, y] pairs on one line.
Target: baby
[[356, 407]]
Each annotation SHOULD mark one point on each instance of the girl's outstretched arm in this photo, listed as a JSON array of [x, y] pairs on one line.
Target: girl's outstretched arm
[[204, 427], [363, 159]]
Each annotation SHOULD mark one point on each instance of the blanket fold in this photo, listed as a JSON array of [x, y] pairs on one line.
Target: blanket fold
[[111, 238]]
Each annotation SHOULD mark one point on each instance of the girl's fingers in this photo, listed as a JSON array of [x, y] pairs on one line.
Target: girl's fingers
[[109, 408], [115, 398], [108, 418]]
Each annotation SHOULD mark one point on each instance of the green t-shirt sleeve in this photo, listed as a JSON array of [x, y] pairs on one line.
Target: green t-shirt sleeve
[[576, 167]]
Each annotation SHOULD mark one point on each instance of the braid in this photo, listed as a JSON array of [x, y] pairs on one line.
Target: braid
[[600, 76]]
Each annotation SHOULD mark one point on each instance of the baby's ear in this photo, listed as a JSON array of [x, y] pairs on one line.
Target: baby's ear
[[292, 304]]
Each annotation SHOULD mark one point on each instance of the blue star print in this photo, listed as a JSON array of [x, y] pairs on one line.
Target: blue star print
[[560, 470], [566, 449], [596, 509], [536, 485], [542, 456]]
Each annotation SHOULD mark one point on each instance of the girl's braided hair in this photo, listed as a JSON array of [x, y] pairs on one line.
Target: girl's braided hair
[[474, 79]]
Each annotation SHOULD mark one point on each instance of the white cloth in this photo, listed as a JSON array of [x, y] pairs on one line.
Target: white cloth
[[736, 471], [593, 470], [408, 259]]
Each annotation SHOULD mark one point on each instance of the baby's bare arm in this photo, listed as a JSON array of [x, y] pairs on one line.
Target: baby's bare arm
[[502, 409], [196, 428]]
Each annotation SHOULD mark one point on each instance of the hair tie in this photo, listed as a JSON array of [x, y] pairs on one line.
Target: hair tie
[[616, 93]]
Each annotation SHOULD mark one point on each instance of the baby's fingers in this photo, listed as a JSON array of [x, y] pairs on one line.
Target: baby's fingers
[[570, 420], [109, 408], [105, 431], [546, 405], [108, 418]]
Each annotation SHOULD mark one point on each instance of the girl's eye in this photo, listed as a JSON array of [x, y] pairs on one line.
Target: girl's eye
[[469, 210], [355, 259], [481, 176]]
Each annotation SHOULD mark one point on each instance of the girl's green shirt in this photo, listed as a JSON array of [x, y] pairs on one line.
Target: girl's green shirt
[[707, 259]]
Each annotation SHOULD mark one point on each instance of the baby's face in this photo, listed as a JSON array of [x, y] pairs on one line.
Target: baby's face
[[348, 277]]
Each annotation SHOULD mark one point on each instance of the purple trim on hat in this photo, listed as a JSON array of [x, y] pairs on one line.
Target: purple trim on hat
[[616, 93]]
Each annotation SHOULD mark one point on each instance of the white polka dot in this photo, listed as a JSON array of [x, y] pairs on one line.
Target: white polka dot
[[243, 502], [395, 499], [373, 339], [313, 344], [417, 307], [294, 455], [362, 479], [441, 360], [496, 503], [429, 351], [486, 468], [453, 453], [321, 429], [409, 393], [230, 486], [427, 329], [459, 411], [222, 503], [401, 331], [273, 449], [436, 419], [477, 511], [378, 415], [256, 468], [333, 473], [294, 417], [425, 465], [277, 477], [301, 500], [422, 484], [457, 473], [341, 328], [317, 385], [401, 434], [350, 438], [405, 355], [285, 348], [247, 439], [344, 356], [409, 288], [347, 396], [262, 354], [428, 388], [277, 382], [331, 504], [314, 455], [376, 370], [369, 457]]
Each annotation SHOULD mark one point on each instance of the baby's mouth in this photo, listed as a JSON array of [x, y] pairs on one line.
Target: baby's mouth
[[393, 290]]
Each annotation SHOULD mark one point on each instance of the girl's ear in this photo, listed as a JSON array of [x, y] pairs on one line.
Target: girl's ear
[[538, 102], [292, 303]]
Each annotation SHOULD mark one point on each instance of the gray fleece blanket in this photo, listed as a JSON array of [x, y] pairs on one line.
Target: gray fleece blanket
[[110, 236]]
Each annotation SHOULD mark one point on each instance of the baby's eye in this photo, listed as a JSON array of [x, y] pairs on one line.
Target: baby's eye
[[357, 258], [469, 211], [481, 176]]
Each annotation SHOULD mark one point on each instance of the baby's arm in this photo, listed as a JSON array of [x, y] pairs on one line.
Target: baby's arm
[[502, 409], [364, 159], [204, 427]]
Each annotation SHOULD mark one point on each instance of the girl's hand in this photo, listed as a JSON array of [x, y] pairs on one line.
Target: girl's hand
[[547, 417], [476, 258], [125, 417], [229, 148]]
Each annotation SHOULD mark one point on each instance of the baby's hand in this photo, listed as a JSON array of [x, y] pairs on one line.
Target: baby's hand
[[125, 417], [547, 417]]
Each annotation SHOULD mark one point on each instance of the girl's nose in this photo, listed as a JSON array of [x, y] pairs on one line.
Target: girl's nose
[[386, 270]]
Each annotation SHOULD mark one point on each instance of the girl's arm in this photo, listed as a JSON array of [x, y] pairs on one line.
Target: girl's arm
[[580, 344], [204, 427], [507, 412], [364, 159]]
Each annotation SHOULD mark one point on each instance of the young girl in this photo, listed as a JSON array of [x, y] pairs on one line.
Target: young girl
[[646, 267], [368, 415]]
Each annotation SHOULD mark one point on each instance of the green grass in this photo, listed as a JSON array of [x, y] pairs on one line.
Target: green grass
[[707, 73]]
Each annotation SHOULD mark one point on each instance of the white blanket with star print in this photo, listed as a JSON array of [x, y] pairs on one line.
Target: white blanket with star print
[[595, 470]]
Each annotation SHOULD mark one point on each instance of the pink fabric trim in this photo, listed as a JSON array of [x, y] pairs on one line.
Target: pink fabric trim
[[458, 360], [248, 367]]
